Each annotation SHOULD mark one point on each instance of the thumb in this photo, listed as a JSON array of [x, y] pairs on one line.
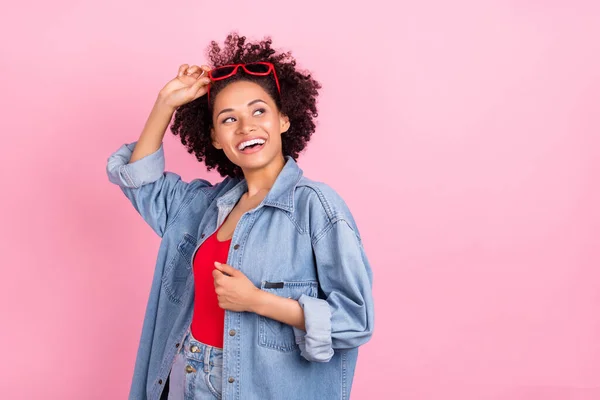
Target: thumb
[[199, 83], [225, 268]]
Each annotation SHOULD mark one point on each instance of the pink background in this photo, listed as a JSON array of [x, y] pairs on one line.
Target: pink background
[[464, 136]]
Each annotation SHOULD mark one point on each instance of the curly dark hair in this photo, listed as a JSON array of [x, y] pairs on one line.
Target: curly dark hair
[[299, 91]]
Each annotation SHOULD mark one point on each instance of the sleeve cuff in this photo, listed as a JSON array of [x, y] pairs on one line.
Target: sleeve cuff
[[145, 170], [315, 342]]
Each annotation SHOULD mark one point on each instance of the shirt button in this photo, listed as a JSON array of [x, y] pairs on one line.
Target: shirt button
[[160, 381], [231, 380], [202, 236], [237, 246], [189, 369], [232, 332], [177, 345], [194, 349]]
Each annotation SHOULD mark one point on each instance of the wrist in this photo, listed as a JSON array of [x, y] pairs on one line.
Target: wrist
[[162, 105], [259, 302]]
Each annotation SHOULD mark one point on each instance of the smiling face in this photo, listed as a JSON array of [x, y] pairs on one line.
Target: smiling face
[[247, 126]]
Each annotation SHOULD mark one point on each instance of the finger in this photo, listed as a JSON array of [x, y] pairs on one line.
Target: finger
[[216, 274], [182, 69], [225, 268], [200, 83], [195, 71], [198, 89], [205, 70]]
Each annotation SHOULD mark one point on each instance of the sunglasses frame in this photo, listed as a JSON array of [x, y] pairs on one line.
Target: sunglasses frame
[[235, 70]]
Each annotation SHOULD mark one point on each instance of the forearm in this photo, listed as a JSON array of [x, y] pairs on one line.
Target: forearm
[[287, 311], [154, 130]]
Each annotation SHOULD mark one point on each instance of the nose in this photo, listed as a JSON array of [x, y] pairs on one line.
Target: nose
[[246, 126]]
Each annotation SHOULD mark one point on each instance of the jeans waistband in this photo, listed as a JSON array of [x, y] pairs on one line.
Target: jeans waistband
[[199, 349]]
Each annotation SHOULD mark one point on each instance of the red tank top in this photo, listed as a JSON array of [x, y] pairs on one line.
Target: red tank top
[[208, 319]]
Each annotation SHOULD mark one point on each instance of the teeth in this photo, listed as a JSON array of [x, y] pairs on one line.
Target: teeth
[[243, 145]]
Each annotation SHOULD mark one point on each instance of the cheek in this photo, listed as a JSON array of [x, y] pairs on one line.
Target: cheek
[[222, 133], [270, 124]]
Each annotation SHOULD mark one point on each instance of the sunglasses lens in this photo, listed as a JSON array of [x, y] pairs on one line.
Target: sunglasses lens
[[257, 68], [221, 72]]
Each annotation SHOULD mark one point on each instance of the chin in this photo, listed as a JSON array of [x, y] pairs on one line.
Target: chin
[[252, 165]]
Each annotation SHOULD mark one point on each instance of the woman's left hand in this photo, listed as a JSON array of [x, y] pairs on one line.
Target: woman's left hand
[[235, 291]]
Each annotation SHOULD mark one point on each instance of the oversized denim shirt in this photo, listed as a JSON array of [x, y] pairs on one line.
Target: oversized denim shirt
[[300, 242]]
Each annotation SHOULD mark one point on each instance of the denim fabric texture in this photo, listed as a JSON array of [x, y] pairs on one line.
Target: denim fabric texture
[[197, 371], [301, 242]]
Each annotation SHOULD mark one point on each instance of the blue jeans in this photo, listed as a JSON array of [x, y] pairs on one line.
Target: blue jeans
[[197, 371]]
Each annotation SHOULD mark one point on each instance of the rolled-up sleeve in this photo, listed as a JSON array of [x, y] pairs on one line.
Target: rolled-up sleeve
[[145, 170], [154, 193], [344, 318]]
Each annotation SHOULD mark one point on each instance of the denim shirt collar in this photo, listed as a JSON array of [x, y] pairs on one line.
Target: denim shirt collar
[[281, 194]]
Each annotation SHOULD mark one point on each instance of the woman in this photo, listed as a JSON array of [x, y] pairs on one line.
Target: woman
[[262, 289]]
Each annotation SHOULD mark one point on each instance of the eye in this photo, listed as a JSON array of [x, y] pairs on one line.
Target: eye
[[228, 119], [259, 111]]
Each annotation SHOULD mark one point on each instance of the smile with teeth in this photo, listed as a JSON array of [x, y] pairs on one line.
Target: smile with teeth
[[251, 143]]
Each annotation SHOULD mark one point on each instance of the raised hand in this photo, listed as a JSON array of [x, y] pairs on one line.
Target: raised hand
[[189, 84]]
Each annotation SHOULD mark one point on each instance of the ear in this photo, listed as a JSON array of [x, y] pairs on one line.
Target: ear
[[284, 122], [215, 143]]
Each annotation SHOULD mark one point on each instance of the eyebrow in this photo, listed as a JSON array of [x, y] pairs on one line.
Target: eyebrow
[[249, 104]]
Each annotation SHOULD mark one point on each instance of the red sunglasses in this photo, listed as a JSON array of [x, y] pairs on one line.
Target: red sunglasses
[[257, 68]]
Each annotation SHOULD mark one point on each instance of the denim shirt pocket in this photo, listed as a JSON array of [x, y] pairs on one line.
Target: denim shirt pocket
[[179, 268], [277, 335]]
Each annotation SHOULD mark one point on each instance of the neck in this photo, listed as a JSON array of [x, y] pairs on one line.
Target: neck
[[261, 180]]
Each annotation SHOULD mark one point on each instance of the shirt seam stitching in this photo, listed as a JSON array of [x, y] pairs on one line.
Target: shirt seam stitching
[[181, 207]]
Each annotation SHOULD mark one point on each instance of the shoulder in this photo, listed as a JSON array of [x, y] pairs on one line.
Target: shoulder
[[324, 196], [323, 204]]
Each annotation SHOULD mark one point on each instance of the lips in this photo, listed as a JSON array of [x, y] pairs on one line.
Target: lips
[[251, 145]]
